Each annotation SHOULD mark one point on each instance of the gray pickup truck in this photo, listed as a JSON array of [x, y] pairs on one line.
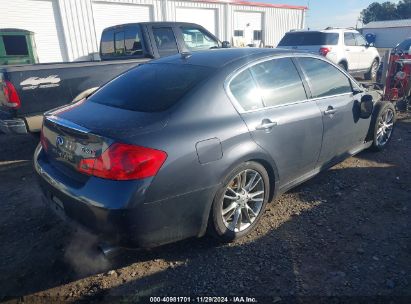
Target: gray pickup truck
[[27, 91]]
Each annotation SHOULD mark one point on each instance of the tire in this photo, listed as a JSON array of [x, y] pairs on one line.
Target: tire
[[372, 73], [343, 66], [238, 202], [382, 119]]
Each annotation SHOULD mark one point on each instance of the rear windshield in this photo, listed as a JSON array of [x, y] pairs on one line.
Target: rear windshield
[[151, 87], [306, 38]]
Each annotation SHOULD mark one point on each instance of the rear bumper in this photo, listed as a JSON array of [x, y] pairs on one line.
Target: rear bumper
[[116, 211], [13, 126]]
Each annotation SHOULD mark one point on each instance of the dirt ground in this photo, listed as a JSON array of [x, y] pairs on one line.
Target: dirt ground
[[346, 232]]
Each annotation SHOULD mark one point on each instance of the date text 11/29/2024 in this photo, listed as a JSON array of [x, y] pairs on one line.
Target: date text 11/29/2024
[[204, 299]]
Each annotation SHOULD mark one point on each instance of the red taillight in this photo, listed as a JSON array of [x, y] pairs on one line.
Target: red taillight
[[324, 51], [43, 140], [124, 162], [10, 93]]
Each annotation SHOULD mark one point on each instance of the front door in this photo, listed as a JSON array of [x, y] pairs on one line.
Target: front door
[[352, 51], [332, 91], [281, 120]]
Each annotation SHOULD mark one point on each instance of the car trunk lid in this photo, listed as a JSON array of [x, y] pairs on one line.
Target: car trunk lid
[[86, 129]]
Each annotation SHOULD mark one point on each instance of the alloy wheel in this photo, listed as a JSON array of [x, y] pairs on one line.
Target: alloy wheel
[[385, 127], [243, 200]]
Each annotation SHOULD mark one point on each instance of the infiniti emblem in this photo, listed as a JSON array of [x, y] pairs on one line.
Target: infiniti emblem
[[59, 141]]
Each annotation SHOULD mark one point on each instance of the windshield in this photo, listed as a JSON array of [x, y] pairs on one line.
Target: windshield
[[151, 87], [309, 38]]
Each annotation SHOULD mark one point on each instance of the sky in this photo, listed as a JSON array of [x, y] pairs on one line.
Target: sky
[[323, 13]]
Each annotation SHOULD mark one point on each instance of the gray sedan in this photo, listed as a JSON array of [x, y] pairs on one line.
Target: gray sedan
[[202, 142]]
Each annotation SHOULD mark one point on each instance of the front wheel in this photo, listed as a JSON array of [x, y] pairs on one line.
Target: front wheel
[[240, 202], [382, 125]]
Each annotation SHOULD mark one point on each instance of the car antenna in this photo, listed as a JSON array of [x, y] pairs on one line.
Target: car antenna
[[185, 55]]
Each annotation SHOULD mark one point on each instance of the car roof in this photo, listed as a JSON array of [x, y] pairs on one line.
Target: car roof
[[154, 23], [219, 58]]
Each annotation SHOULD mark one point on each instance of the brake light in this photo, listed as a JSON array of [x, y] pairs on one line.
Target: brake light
[[124, 162], [10, 93], [43, 140], [324, 51]]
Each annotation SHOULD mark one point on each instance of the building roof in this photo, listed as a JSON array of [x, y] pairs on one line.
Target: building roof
[[254, 3], [388, 24]]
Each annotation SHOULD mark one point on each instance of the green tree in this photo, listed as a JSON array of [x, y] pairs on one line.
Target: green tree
[[379, 12], [404, 9]]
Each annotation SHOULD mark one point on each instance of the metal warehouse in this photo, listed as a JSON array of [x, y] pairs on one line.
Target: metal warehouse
[[388, 33], [67, 30]]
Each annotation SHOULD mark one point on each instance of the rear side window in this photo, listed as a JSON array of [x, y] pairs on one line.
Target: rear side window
[[107, 43], [349, 39], [15, 45], [309, 38], [195, 39], [165, 41], [125, 42], [245, 91], [279, 82], [151, 87], [324, 79]]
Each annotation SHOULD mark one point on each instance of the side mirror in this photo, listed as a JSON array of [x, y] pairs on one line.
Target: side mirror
[[225, 45], [366, 106]]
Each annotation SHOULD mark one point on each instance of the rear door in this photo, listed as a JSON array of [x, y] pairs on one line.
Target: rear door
[[273, 103], [352, 51], [332, 91], [366, 57]]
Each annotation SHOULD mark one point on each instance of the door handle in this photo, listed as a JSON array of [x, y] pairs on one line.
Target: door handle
[[266, 124], [347, 50], [330, 111]]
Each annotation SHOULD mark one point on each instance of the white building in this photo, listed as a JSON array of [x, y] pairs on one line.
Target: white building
[[388, 33], [67, 30]]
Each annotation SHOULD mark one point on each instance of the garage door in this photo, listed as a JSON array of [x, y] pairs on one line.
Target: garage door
[[248, 27], [40, 18], [204, 17], [109, 14]]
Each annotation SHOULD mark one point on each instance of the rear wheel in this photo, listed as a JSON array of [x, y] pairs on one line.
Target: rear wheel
[[383, 125], [240, 202], [372, 73]]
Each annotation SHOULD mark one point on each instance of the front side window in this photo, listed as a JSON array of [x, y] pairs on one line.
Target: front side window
[[245, 91], [323, 78], [349, 39], [195, 39], [165, 41], [360, 40], [279, 82], [15, 45]]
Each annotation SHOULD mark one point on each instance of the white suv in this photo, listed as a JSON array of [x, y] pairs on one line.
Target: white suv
[[345, 47]]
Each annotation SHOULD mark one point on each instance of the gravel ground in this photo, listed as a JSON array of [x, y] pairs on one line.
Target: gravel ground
[[346, 232]]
